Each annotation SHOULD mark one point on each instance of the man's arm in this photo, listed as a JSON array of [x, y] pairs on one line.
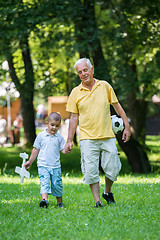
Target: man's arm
[[119, 110], [73, 123]]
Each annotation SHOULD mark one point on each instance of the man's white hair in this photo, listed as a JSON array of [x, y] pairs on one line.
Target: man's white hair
[[81, 60]]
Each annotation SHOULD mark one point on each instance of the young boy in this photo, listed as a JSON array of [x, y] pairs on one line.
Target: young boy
[[47, 146]]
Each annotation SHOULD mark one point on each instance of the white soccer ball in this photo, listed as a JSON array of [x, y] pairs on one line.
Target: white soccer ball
[[117, 124]]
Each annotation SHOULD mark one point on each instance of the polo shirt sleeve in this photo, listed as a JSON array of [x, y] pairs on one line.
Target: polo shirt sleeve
[[112, 95], [37, 142], [72, 102], [62, 143]]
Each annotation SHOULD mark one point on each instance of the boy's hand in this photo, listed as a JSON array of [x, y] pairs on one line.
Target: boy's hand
[[27, 164]]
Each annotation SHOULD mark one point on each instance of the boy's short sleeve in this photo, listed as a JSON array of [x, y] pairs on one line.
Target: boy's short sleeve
[[62, 143], [37, 142]]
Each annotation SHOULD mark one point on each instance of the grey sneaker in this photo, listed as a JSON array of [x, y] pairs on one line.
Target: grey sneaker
[[98, 204], [44, 203], [109, 198]]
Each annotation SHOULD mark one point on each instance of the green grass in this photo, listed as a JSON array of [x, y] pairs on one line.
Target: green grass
[[9, 158], [136, 215], [153, 152]]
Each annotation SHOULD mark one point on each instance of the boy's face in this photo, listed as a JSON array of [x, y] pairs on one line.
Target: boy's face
[[53, 126]]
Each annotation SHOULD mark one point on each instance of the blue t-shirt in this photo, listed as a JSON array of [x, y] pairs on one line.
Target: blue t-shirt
[[50, 147]]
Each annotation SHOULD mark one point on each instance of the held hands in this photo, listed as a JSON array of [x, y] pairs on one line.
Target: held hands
[[68, 147]]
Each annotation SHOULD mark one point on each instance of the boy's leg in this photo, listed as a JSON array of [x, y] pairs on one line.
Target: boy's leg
[[44, 202], [44, 196], [59, 200], [56, 186], [44, 176]]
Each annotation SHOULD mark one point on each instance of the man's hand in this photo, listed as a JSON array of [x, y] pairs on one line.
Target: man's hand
[[126, 134]]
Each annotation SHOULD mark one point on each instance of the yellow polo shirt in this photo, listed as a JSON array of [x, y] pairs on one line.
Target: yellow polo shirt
[[93, 108]]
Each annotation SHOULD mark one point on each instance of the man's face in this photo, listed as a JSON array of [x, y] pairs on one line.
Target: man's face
[[85, 73]]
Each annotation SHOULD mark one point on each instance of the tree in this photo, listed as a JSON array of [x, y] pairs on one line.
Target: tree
[[91, 34], [16, 37], [135, 52], [111, 33]]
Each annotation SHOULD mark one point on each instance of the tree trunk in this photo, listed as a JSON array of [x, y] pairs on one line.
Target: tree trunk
[[138, 114], [26, 90], [100, 64], [80, 31], [28, 119], [136, 155], [27, 95]]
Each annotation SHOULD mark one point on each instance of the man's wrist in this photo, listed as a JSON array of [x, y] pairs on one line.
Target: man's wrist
[[69, 141]]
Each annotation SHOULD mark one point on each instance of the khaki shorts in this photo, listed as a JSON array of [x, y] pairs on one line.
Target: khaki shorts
[[91, 152]]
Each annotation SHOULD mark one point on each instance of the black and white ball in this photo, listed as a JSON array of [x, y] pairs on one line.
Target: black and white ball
[[117, 124]]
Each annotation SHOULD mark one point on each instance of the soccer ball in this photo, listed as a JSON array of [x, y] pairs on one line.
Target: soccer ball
[[117, 124]]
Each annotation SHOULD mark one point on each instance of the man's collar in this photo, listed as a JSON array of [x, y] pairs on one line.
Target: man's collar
[[97, 82]]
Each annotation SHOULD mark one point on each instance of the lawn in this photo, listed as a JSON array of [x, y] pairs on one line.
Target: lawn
[[136, 215]]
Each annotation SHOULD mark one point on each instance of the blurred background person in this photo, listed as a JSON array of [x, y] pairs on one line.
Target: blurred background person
[[3, 131], [41, 114], [17, 124]]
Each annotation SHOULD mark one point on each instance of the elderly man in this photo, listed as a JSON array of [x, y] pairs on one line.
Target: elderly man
[[89, 104]]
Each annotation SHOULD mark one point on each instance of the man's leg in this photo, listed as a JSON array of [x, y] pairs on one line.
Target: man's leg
[[108, 185], [95, 191], [107, 194], [111, 165]]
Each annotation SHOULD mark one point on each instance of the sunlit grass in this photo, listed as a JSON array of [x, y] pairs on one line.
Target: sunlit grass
[[127, 179], [153, 151], [71, 162], [136, 214]]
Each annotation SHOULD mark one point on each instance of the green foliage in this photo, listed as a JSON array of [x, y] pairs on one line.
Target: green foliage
[[131, 48], [120, 37], [57, 30]]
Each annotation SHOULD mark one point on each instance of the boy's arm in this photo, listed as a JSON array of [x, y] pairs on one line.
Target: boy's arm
[[33, 156]]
